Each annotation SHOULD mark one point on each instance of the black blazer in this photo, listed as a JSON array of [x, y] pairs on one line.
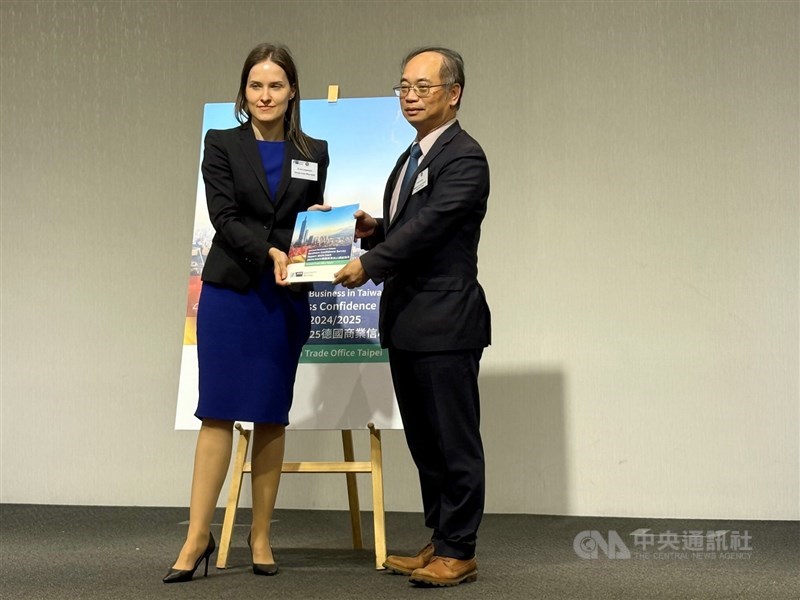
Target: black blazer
[[427, 256], [246, 220]]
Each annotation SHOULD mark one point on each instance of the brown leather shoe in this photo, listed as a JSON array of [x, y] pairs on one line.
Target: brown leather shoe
[[444, 571], [405, 565]]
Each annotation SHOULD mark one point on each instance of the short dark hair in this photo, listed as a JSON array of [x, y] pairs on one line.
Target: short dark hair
[[452, 70], [282, 57]]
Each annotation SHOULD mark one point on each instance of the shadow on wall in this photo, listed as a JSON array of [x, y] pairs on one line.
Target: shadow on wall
[[345, 396], [524, 430]]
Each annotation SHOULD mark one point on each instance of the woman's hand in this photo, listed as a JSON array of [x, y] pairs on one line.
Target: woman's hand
[[322, 207], [280, 264]]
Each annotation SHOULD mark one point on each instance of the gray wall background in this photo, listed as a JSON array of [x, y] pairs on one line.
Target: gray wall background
[[641, 254]]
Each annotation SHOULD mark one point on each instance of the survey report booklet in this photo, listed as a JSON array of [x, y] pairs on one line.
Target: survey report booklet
[[322, 243]]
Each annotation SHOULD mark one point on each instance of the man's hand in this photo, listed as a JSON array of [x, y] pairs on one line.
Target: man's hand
[[365, 225], [279, 265], [352, 275]]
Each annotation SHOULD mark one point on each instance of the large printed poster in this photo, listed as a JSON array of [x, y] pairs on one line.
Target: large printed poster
[[343, 380]]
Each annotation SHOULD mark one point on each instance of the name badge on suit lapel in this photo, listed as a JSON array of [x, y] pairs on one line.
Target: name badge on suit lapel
[[303, 169], [421, 182]]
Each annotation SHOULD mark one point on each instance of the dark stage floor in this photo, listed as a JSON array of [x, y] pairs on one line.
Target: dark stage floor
[[111, 553]]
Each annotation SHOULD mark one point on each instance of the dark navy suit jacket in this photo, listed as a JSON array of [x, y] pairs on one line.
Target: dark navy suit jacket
[[427, 256]]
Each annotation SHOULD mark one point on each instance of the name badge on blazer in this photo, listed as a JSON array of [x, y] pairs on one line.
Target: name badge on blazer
[[303, 169], [421, 182]]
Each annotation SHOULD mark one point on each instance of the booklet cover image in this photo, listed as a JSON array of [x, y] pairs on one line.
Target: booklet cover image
[[322, 243]]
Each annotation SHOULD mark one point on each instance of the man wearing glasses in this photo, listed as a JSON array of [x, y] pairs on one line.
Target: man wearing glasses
[[433, 317]]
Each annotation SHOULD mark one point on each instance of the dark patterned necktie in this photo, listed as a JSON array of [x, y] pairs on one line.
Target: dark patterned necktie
[[416, 152]]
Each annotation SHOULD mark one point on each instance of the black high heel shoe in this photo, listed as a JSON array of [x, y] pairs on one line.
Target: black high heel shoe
[[181, 575], [267, 569]]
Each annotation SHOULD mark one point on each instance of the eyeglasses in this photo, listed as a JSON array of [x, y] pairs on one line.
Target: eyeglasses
[[422, 90]]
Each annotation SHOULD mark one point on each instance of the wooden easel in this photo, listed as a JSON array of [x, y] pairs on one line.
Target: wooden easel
[[349, 466]]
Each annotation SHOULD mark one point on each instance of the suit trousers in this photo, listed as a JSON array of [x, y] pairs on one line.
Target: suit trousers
[[437, 393]]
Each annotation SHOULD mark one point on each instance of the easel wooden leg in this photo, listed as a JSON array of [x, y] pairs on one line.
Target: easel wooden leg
[[352, 490], [376, 458], [350, 467], [239, 469]]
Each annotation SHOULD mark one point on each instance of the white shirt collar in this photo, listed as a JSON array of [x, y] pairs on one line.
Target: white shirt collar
[[426, 143]]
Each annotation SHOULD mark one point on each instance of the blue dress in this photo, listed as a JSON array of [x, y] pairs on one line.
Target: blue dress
[[249, 343]]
